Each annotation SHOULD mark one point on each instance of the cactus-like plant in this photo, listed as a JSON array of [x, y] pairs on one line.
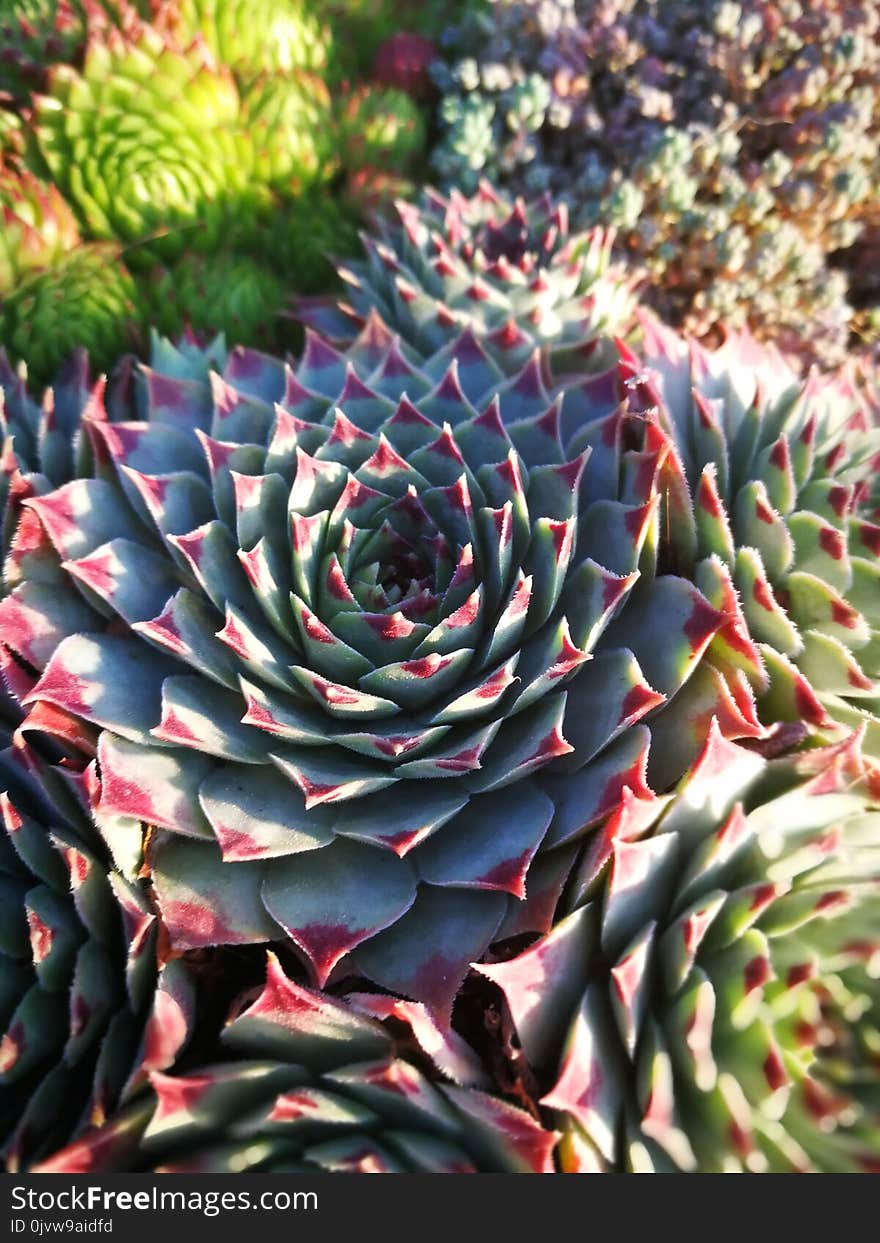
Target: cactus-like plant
[[147, 140], [509, 270]]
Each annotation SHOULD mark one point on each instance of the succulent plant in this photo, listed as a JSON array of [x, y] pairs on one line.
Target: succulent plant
[[711, 1002], [380, 128], [147, 140], [38, 226], [319, 1085], [403, 61], [783, 477], [509, 270], [84, 1013], [303, 236], [212, 293], [732, 144], [87, 298], [368, 191], [289, 124], [33, 34], [364, 662]]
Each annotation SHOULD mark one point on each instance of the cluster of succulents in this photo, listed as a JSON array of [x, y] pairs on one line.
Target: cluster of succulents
[[186, 163], [490, 714], [734, 144]]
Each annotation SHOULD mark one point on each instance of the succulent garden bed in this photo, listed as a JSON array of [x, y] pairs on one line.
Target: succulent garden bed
[[441, 695]]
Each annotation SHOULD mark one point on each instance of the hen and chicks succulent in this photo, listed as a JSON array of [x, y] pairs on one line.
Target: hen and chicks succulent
[[469, 645]]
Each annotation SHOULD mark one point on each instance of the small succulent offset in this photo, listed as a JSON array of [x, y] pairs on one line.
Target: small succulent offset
[[57, 293], [367, 646], [713, 1003], [509, 270], [404, 61], [85, 1014], [379, 128], [311, 1084], [734, 145]]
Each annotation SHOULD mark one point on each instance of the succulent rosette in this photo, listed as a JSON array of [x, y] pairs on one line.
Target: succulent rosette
[[32, 34], [85, 1013], [368, 648], [289, 123], [148, 140], [712, 1000], [510, 270], [313, 1084], [38, 226], [379, 128], [87, 298], [404, 61], [783, 476], [204, 293], [769, 490]]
